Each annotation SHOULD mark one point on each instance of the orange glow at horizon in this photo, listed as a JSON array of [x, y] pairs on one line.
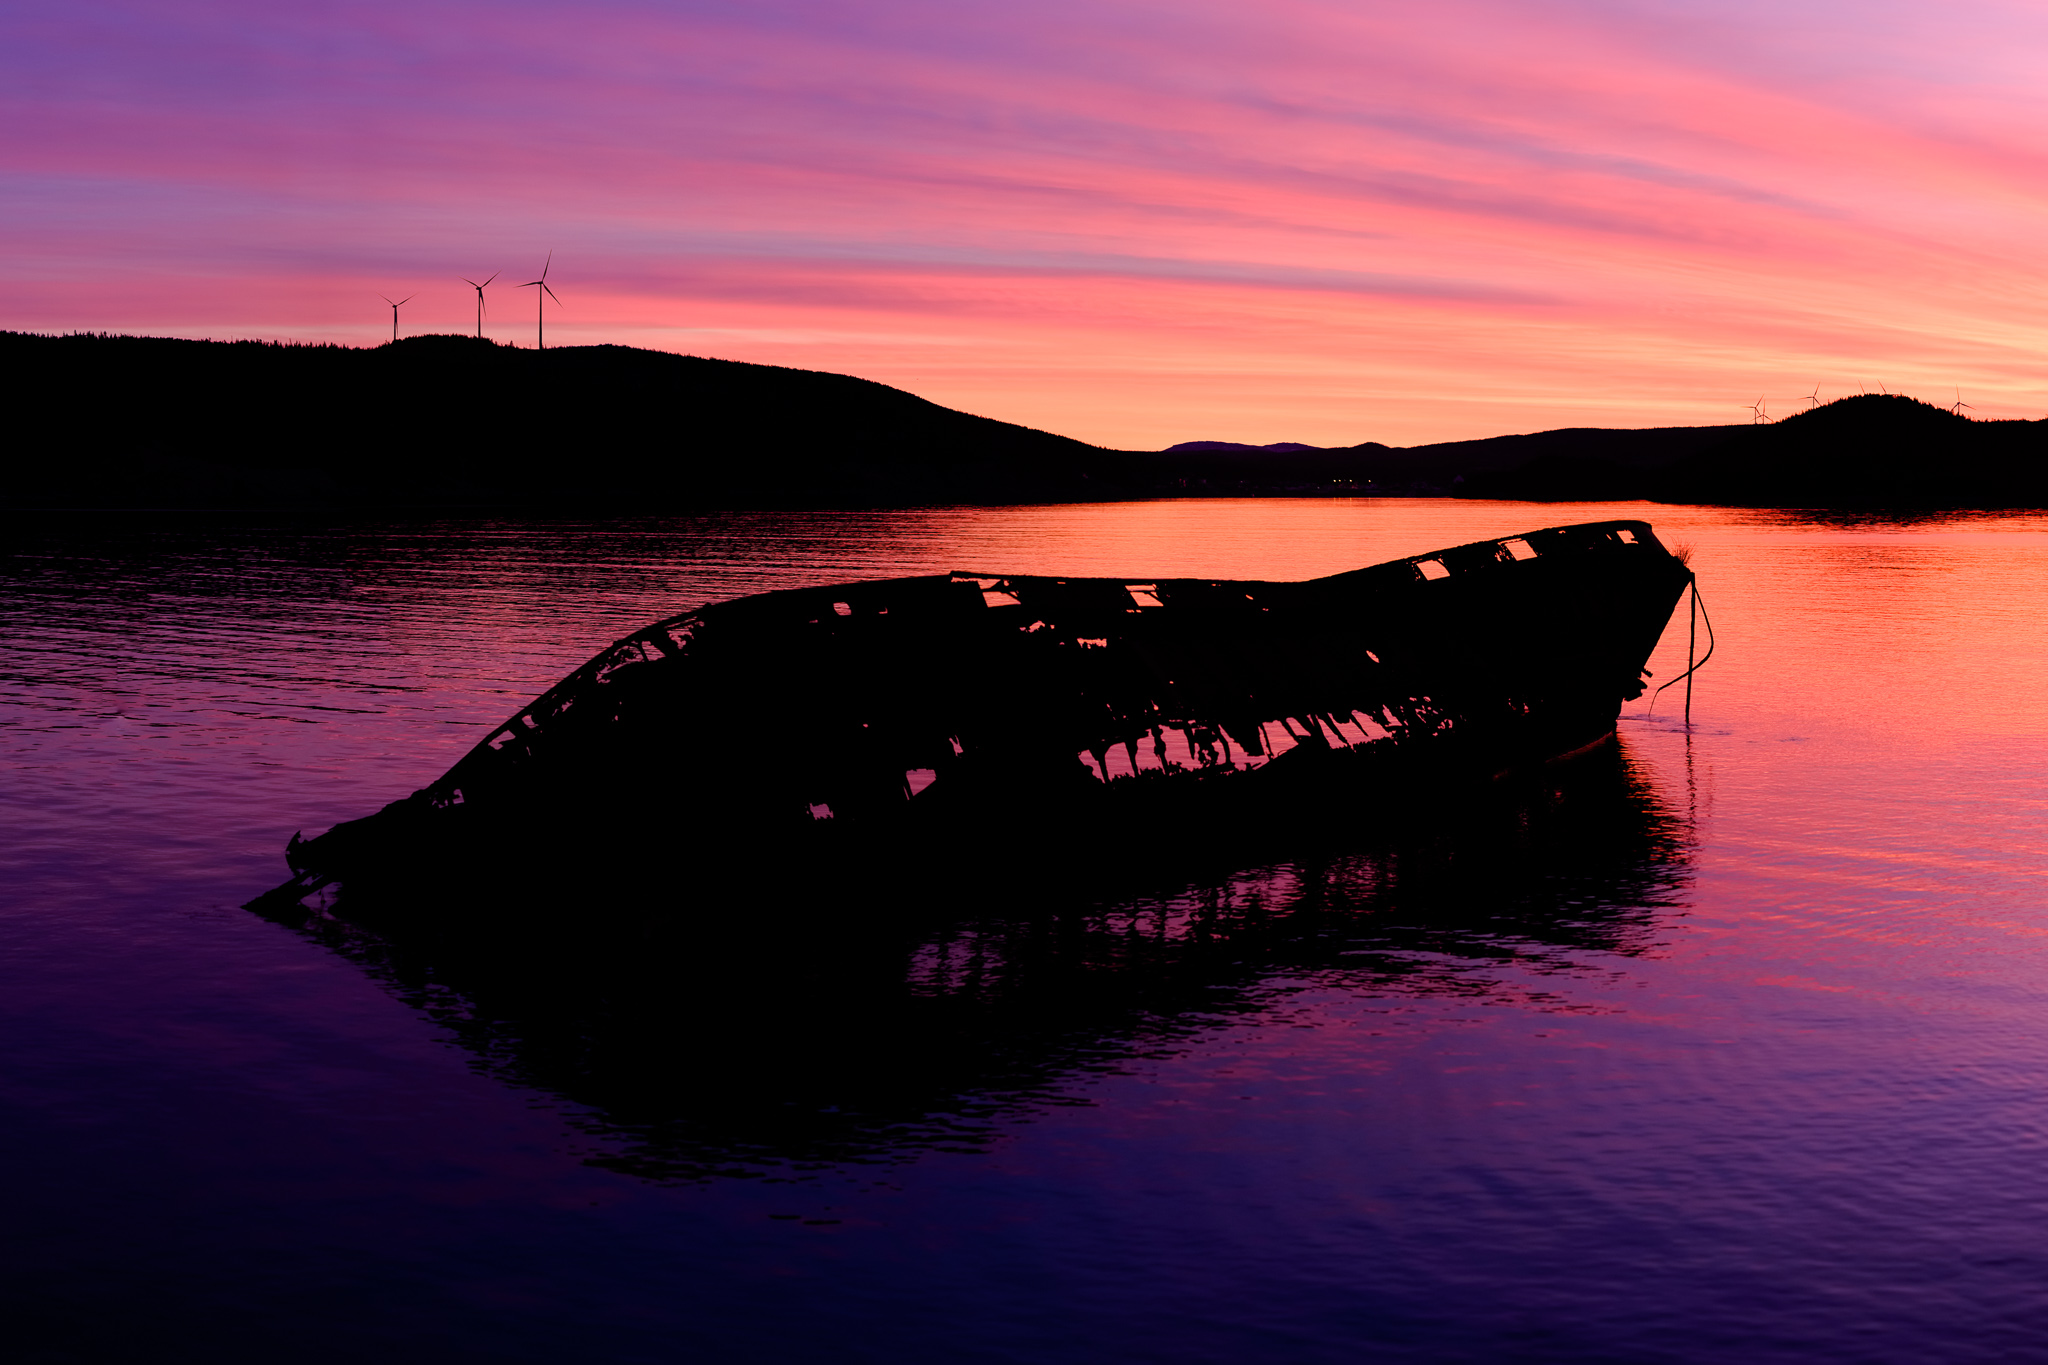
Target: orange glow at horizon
[[1320, 224]]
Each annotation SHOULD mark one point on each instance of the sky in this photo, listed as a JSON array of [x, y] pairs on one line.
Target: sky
[[1135, 223]]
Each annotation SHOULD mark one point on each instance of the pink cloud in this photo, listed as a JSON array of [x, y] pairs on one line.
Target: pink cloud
[[1134, 223]]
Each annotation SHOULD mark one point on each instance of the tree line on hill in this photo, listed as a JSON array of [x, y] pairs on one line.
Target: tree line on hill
[[115, 421]]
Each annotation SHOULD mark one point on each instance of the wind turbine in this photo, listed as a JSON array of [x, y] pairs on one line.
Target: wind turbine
[[1960, 404], [1813, 399], [1757, 413], [540, 302], [394, 311], [480, 300]]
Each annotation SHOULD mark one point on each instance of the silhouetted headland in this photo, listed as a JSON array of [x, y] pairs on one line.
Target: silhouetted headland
[[116, 421], [1873, 450], [154, 422], [1866, 451]]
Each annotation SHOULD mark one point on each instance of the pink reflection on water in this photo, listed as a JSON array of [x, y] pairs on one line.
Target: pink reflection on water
[[1791, 1062]]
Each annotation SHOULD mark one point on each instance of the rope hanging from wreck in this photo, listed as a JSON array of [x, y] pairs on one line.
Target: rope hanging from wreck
[[1699, 605]]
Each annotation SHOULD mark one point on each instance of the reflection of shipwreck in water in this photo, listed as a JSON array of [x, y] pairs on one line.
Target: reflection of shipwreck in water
[[741, 1043], [955, 709]]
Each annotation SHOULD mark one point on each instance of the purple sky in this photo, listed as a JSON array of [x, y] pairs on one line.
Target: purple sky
[[1133, 223]]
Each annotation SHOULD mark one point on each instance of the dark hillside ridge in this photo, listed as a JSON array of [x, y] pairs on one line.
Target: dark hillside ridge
[[141, 421], [1570, 464], [1450, 467], [1873, 450], [109, 421], [114, 421], [1280, 446], [1867, 451]]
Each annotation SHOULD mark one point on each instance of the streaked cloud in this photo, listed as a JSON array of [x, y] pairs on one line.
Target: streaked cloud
[[1133, 222]]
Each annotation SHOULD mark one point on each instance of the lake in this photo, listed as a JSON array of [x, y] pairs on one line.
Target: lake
[[1724, 1044]]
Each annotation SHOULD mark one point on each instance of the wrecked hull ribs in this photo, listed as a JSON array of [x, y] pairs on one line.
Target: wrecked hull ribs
[[947, 711]]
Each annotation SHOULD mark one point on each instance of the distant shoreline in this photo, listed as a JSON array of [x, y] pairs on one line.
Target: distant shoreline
[[448, 422]]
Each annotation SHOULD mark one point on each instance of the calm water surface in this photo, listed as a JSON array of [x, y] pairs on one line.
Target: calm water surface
[[1729, 1046]]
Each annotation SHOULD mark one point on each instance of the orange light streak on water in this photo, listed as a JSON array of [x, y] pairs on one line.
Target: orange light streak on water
[[1754, 1074]]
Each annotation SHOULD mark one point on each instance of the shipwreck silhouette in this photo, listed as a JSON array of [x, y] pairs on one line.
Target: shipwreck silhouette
[[947, 714]]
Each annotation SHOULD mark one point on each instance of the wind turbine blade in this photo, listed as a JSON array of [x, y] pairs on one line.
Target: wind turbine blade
[[407, 299], [494, 275], [548, 264], [387, 300], [470, 282], [551, 294]]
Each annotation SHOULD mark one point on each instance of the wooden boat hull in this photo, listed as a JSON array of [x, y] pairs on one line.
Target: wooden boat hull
[[949, 713]]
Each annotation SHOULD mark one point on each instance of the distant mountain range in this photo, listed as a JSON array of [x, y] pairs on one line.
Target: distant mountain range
[[115, 421], [1233, 445]]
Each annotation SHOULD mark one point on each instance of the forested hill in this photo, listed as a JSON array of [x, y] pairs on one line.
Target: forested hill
[[144, 421], [1872, 450], [1865, 451], [110, 421]]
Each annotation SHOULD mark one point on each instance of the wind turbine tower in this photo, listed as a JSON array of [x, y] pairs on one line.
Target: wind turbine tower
[[394, 311], [480, 300], [540, 301]]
